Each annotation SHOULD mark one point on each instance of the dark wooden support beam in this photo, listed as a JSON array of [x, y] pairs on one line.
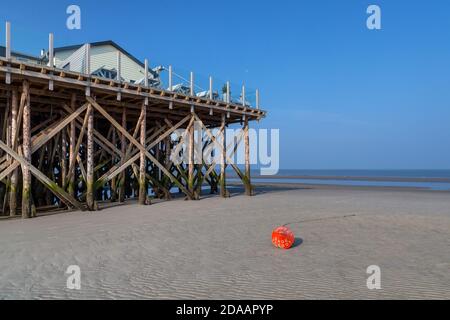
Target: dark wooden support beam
[[90, 194], [113, 162], [72, 143], [143, 159], [123, 148], [247, 182], [191, 162], [15, 173], [27, 211]]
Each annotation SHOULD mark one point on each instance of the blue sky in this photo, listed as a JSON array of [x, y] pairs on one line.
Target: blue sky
[[343, 96]]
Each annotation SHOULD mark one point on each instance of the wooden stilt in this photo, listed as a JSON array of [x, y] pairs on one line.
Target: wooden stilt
[[90, 160], [72, 143], [63, 157], [27, 211], [168, 163], [247, 182], [8, 124], [223, 164], [113, 162], [123, 148], [158, 157], [143, 159], [8, 117], [15, 173], [191, 154]]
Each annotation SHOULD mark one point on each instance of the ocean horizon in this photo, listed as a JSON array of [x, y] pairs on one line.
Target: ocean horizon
[[437, 180], [397, 173]]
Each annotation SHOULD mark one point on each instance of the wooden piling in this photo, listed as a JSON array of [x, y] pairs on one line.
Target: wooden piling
[[113, 162], [223, 163], [123, 148], [90, 161], [7, 126], [15, 173], [247, 180], [191, 162], [72, 144], [143, 159], [63, 157], [27, 211]]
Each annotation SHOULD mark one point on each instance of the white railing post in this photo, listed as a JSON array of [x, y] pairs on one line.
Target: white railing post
[[119, 66], [211, 88], [211, 111], [146, 79], [88, 59], [146, 73], [8, 50], [228, 98], [170, 85], [87, 68], [170, 78], [51, 51], [119, 74], [243, 96], [8, 41], [257, 99], [51, 59], [192, 90]]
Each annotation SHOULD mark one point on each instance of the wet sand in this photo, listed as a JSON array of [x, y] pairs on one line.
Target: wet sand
[[221, 249], [354, 178]]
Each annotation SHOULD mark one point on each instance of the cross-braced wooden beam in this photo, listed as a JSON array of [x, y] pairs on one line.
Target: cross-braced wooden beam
[[138, 145], [244, 177], [59, 192]]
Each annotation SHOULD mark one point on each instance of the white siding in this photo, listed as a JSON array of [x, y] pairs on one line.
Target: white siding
[[101, 57], [60, 56], [106, 56], [76, 60]]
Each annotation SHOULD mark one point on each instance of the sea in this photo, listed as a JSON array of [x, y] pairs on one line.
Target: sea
[[424, 179]]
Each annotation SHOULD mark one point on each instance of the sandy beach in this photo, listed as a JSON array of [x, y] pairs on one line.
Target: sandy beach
[[221, 249]]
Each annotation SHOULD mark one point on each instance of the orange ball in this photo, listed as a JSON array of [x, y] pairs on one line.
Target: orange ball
[[283, 237]]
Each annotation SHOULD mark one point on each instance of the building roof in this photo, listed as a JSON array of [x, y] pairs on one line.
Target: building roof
[[102, 43], [18, 54], [74, 47]]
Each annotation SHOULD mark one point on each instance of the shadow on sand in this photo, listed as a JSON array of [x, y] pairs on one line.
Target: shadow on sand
[[297, 243], [236, 190]]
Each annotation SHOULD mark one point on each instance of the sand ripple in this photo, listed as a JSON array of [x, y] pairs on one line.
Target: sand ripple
[[221, 249]]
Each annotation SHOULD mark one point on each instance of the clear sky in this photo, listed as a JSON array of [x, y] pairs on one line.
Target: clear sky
[[342, 96]]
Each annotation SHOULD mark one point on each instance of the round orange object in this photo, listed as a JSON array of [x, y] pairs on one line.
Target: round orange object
[[283, 237]]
